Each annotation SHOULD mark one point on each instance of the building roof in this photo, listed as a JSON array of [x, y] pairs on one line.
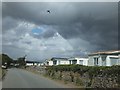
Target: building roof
[[71, 58], [115, 57], [113, 52], [32, 62], [58, 58]]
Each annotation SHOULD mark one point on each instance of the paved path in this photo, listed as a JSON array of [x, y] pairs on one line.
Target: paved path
[[0, 85], [18, 78]]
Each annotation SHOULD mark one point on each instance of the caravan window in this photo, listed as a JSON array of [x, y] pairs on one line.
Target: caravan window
[[81, 62], [114, 61]]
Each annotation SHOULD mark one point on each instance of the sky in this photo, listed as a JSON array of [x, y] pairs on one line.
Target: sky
[[71, 29]]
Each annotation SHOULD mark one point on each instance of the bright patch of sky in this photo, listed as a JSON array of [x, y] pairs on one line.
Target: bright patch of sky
[[37, 31]]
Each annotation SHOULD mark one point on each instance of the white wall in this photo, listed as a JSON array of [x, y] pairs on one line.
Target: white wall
[[64, 62], [58, 62], [39, 64], [119, 59], [85, 61], [42, 64], [50, 63], [108, 63], [108, 60], [35, 64], [91, 60], [100, 60], [112, 60], [29, 64]]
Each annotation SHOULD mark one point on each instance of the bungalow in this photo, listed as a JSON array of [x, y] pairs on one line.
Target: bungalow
[[107, 58], [81, 61], [48, 62], [29, 63], [57, 61], [119, 59], [32, 63], [45, 62]]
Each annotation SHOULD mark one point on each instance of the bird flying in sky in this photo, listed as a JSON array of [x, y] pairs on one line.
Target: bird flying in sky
[[48, 11]]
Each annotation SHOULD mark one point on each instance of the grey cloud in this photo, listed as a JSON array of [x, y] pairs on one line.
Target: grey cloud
[[13, 51], [93, 26], [49, 33], [9, 23], [37, 14], [28, 42], [97, 33], [61, 13]]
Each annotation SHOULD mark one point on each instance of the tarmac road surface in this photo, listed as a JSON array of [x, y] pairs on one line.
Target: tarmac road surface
[[18, 78]]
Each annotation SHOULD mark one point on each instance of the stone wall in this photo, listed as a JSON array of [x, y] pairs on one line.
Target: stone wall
[[90, 78], [84, 80]]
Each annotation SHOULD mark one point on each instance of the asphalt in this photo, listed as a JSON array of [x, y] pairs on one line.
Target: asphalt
[[0, 85], [19, 78]]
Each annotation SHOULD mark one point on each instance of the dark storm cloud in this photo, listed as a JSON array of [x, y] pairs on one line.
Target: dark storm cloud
[[103, 33], [38, 12], [95, 23], [61, 13]]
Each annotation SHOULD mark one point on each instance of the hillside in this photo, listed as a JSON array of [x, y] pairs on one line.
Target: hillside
[[4, 58]]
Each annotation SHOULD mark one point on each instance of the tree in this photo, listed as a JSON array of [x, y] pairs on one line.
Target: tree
[[21, 61]]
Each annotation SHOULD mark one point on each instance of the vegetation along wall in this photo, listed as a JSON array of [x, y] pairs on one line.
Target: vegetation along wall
[[86, 76]]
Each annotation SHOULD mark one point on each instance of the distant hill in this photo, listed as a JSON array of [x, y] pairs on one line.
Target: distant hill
[[4, 58]]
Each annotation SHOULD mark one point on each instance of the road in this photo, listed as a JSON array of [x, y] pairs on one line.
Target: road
[[18, 78], [0, 85]]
